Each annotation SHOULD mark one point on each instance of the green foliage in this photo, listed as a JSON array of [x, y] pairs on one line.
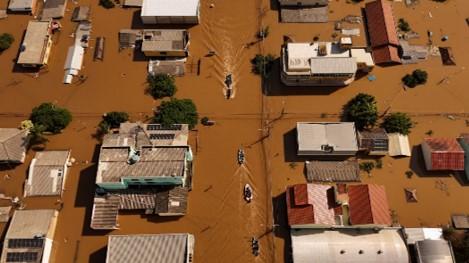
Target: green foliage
[[367, 166], [417, 77], [403, 25], [36, 135], [362, 110], [50, 117], [398, 122], [6, 40], [262, 65], [379, 164], [115, 118], [177, 111], [161, 85], [107, 4], [263, 33]]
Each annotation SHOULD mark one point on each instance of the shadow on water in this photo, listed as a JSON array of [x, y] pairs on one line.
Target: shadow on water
[[98, 256], [275, 87], [281, 225]]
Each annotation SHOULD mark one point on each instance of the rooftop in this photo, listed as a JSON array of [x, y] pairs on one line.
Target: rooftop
[[170, 8], [46, 173], [168, 248], [386, 54], [332, 171], [54, 9], [381, 24], [33, 48], [348, 245], [13, 144], [16, 5], [434, 251], [443, 145], [27, 224], [310, 204], [414, 234], [460, 221], [398, 145], [317, 136], [368, 205], [164, 39]]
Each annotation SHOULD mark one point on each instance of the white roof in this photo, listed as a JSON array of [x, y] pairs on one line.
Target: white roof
[[312, 136], [170, 8], [398, 145], [74, 57], [362, 56], [332, 246], [414, 234], [333, 65]]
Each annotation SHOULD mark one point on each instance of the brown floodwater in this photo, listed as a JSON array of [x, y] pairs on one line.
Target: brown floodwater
[[217, 215]]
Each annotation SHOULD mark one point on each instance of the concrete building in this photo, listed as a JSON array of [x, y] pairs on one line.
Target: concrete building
[[29, 6], [143, 167], [167, 248], [326, 138], [36, 45], [47, 173], [374, 142], [170, 11], [322, 64], [53, 9], [428, 245], [443, 154], [30, 236], [165, 42], [13, 145]]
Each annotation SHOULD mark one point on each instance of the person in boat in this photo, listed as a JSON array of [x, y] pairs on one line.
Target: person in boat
[[228, 80]]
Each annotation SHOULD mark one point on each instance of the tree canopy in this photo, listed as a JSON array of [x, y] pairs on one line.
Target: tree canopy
[[417, 77], [161, 85], [262, 65], [177, 111], [115, 118], [6, 40], [363, 110], [50, 118], [397, 122]]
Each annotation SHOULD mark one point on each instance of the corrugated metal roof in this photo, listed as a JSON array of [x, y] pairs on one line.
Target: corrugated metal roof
[[348, 245], [443, 145], [169, 8], [380, 23], [29, 223], [105, 212], [13, 144], [54, 9], [368, 204], [386, 54], [333, 65], [309, 204], [332, 171], [434, 251], [313, 136], [167, 248], [399, 145]]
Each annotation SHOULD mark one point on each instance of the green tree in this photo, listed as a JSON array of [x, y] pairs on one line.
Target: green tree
[[409, 81], [177, 111], [420, 76], [50, 117], [161, 85], [363, 110], [6, 40], [398, 122], [262, 65], [115, 118], [403, 25], [107, 3]]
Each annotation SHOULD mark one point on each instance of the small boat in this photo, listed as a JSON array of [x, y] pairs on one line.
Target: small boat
[[255, 246], [241, 157], [229, 85], [247, 193]]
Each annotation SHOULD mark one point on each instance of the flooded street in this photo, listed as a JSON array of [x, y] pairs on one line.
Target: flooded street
[[258, 119]]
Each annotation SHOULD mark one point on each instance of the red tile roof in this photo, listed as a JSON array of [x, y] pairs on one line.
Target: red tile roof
[[446, 154], [386, 54], [368, 204], [380, 23], [309, 204]]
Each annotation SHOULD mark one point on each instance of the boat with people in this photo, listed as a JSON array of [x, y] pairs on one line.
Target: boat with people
[[229, 85], [241, 157], [247, 193], [255, 246]]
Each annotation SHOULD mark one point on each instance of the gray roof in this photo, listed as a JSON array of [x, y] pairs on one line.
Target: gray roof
[[434, 251], [460, 221], [13, 144], [173, 201], [332, 171], [81, 13], [164, 40], [46, 173], [344, 245], [161, 248], [15, 5], [105, 212], [334, 65], [313, 136], [34, 46], [171, 67], [304, 2], [54, 9], [30, 223]]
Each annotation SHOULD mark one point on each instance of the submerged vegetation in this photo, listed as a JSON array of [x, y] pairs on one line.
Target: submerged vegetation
[[112, 120], [177, 111], [363, 110], [49, 118], [262, 65], [398, 122], [418, 77], [6, 40], [161, 85], [107, 4]]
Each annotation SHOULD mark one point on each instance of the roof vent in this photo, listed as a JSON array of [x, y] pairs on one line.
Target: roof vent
[[327, 148], [134, 156]]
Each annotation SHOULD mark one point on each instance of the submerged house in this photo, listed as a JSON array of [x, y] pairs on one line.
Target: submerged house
[[322, 64], [443, 154], [30, 236], [326, 138], [382, 33], [304, 11], [47, 173], [374, 142], [167, 248], [325, 206], [29, 6], [165, 42], [170, 11], [143, 167], [36, 45], [13, 145]]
